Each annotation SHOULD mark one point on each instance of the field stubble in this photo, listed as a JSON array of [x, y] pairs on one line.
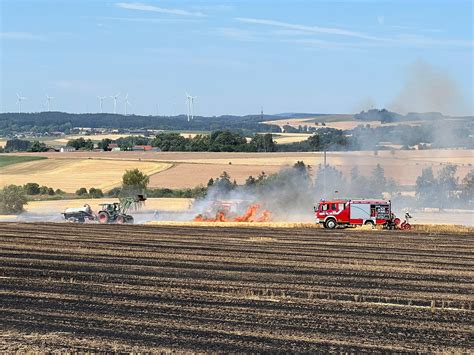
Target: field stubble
[[198, 288]]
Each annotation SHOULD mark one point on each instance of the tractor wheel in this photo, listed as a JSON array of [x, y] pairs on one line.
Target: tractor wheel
[[396, 221], [103, 217], [406, 226], [129, 219], [120, 220], [330, 224]]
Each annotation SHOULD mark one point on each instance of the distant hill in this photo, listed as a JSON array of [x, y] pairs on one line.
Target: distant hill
[[62, 121], [386, 116], [297, 115]]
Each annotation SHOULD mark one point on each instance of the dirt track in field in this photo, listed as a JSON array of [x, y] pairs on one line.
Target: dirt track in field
[[139, 288]]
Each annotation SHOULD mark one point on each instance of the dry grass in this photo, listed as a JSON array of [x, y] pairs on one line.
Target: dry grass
[[58, 206], [430, 228], [286, 138], [191, 175], [70, 174], [238, 224], [443, 228]]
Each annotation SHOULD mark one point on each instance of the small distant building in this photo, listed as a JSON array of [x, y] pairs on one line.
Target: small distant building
[[112, 146], [116, 149], [142, 148], [67, 148]]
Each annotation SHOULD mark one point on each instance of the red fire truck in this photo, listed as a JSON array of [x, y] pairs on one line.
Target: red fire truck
[[347, 213]]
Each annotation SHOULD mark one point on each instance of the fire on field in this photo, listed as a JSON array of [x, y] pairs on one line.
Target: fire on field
[[230, 211]]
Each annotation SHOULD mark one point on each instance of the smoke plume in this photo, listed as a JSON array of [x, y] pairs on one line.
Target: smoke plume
[[428, 89]]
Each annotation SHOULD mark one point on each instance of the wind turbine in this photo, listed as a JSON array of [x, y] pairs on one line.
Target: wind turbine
[[127, 103], [48, 101], [192, 106], [115, 98], [101, 102], [20, 99], [190, 103]]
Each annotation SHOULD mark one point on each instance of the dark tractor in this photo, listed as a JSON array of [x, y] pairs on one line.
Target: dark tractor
[[116, 212]]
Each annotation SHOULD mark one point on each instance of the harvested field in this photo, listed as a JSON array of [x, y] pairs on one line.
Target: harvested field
[[58, 206], [286, 138], [161, 288], [71, 174], [191, 175], [193, 168]]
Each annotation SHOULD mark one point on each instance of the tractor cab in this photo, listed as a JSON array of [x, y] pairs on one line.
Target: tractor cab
[[110, 207]]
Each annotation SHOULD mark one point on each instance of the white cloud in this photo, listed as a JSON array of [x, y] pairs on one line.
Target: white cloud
[[403, 40], [147, 20], [423, 41], [311, 29], [236, 34], [151, 8], [21, 36]]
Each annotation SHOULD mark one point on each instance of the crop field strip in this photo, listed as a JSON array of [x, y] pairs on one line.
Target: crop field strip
[[94, 287]]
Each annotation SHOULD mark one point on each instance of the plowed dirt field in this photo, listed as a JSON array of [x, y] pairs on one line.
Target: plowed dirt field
[[188, 288]]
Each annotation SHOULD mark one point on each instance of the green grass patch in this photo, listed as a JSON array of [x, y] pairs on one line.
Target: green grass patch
[[15, 159]]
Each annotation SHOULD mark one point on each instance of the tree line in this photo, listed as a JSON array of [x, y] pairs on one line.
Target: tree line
[[41, 122]]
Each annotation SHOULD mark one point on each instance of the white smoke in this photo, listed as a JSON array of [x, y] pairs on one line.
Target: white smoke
[[428, 89]]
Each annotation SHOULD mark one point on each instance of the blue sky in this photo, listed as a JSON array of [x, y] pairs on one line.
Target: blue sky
[[236, 56]]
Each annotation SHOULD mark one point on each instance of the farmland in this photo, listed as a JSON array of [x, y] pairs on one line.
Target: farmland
[[196, 289], [71, 174], [12, 159], [189, 169]]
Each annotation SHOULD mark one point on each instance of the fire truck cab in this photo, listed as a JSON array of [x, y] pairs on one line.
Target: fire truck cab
[[349, 213]]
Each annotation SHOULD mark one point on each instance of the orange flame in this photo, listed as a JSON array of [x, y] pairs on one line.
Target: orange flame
[[250, 215]]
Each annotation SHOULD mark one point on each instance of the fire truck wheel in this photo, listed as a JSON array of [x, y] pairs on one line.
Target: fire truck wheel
[[370, 223], [330, 224]]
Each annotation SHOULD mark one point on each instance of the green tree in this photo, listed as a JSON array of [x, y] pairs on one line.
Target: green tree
[[81, 192], [38, 147], [51, 191], [314, 142], [426, 188], [32, 188], [224, 183], [44, 190], [95, 193], [467, 190], [115, 192], [104, 144], [134, 182], [251, 181], [378, 181], [81, 144], [135, 178], [301, 167], [448, 185], [12, 199], [170, 142], [17, 145]]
